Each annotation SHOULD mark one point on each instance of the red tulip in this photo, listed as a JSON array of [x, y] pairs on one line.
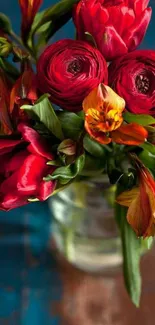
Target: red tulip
[[23, 165], [117, 26]]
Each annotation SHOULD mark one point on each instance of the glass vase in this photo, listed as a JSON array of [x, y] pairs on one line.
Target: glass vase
[[84, 229]]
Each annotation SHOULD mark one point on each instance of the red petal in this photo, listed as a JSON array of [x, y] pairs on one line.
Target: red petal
[[112, 44], [133, 36], [31, 174], [46, 189], [29, 9], [16, 161], [24, 88], [7, 145], [5, 120], [12, 201], [37, 144]]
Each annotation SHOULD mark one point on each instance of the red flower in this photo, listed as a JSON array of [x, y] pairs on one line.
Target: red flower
[[68, 70], [23, 92], [29, 9], [117, 26], [133, 77], [23, 164]]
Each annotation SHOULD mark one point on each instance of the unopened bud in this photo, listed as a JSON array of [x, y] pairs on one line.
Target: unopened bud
[[68, 147]]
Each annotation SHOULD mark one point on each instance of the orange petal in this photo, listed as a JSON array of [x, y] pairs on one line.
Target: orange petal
[[126, 197], [130, 134], [139, 217], [98, 136], [151, 227], [95, 99], [103, 98]]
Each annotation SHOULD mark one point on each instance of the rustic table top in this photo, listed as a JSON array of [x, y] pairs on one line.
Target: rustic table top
[[102, 300]]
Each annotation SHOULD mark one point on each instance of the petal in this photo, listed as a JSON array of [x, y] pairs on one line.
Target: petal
[[5, 121], [15, 162], [29, 9], [9, 196], [12, 201], [37, 144], [95, 98], [151, 227], [112, 45], [98, 136], [46, 189], [139, 214], [31, 174], [24, 88], [126, 197], [7, 145], [134, 35], [130, 134], [103, 98]]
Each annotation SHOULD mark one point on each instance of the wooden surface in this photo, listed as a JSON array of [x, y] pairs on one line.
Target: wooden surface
[[102, 300]]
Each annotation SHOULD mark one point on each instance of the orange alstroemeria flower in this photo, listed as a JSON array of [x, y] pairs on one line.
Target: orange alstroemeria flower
[[141, 203], [104, 121], [29, 9]]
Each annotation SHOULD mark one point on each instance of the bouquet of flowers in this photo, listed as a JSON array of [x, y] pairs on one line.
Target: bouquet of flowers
[[78, 108]]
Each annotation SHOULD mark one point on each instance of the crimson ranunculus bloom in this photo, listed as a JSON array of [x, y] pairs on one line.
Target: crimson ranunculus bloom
[[68, 70], [23, 164], [117, 26], [133, 77]]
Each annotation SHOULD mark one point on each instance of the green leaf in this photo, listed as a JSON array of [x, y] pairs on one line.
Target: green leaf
[[148, 146], [93, 147], [72, 124], [50, 20], [47, 30], [5, 24], [148, 159], [67, 173], [46, 114], [131, 248], [141, 119], [55, 12]]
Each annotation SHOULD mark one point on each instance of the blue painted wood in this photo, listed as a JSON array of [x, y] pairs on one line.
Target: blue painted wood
[[29, 279]]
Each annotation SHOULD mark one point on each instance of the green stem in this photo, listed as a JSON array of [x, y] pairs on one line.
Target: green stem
[[16, 38]]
